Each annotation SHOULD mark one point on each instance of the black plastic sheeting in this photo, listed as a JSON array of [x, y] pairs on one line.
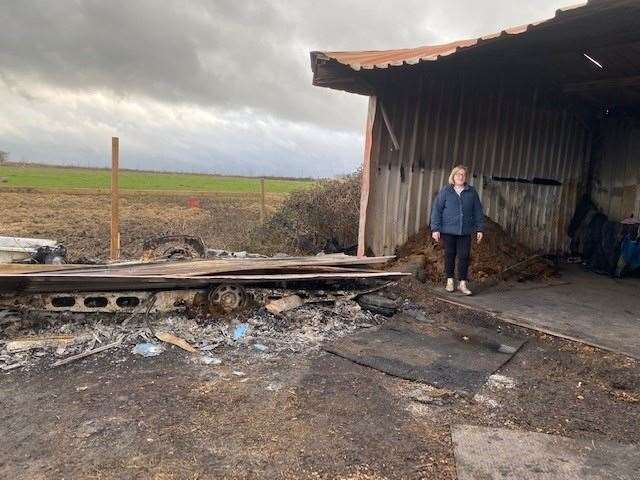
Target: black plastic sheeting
[[456, 359], [596, 239]]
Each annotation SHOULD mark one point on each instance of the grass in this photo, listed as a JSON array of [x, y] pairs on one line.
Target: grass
[[36, 176]]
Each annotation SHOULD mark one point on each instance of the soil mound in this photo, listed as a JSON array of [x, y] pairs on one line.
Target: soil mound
[[497, 257]]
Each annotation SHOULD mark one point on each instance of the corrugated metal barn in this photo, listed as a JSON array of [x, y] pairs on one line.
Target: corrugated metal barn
[[541, 113]]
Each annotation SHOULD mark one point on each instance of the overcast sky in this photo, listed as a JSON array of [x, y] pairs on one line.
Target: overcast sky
[[207, 85]]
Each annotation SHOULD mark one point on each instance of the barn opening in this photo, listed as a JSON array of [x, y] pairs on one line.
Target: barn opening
[[546, 115]]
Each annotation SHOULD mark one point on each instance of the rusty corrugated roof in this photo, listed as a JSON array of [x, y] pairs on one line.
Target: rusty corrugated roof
[[371, 59]]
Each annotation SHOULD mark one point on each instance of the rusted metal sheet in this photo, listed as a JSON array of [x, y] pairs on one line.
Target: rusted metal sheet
[[371, 59], [616, 169], [589, 51], [16, 248], [516, 142]]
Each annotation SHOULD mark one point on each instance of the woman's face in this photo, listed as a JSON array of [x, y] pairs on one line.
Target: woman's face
[[460, 178]]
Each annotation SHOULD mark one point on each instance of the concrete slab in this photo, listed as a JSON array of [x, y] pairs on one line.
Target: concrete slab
[[581, 306], [501, 454]]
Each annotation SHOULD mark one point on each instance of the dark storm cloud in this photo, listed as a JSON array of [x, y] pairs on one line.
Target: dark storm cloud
[[232, 54], [99, 64]]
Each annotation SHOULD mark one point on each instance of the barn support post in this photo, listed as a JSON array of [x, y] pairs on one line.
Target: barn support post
[[366, 175]]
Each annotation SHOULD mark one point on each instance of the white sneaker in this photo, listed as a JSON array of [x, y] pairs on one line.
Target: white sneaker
[[450, 286], [462, 288]]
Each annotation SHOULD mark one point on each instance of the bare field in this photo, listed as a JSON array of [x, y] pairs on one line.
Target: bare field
[[80, 219]]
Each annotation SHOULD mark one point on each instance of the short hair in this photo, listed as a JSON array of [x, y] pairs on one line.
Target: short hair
[[455, 170]]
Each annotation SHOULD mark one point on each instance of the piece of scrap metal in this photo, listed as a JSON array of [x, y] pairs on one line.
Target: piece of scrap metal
[[173, 247], [13, 249]]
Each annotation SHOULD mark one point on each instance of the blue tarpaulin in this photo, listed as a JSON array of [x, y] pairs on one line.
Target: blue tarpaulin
[[630, 252]]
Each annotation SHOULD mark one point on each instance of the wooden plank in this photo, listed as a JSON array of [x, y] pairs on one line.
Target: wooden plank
[[73, 358], [51, 277], [35, 268], [366, 176], [88, 283], [23, 344], [198, 267]]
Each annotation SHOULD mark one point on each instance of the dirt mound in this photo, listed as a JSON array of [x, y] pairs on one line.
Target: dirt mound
[[497, 257]]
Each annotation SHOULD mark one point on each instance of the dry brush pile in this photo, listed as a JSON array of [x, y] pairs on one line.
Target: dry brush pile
[[321, 218]]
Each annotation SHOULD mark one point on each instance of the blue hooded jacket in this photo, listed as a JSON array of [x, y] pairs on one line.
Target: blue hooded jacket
[[457, 214]]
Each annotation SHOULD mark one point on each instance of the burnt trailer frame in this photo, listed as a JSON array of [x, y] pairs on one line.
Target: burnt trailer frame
[[541, 113]]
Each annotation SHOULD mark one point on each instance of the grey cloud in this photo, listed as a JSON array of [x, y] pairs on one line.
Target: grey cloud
[[230, 57], [223, 53]]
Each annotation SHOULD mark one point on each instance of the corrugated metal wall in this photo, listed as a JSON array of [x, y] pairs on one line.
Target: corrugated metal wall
[[494, 130], [616, 169]]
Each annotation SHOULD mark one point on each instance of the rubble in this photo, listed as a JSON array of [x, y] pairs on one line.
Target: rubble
[[174, 340], [486, 401], [500, 382], [284, 304], [240, 330], [378, 304], [324, 315], [86, 353], [147, 349], [14, 249], [207, 360], [173, 247], [28, 343], [429, 395]]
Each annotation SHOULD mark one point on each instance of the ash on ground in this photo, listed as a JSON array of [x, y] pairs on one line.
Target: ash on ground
[[31, 340]]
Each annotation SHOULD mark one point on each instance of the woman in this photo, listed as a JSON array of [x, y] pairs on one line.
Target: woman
[[455, 216]]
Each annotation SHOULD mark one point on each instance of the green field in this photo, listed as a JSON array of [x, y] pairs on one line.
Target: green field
[[67, 178]]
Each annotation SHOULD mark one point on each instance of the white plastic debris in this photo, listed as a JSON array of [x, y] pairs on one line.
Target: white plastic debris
[[500, 382], [207, 360], [148, 349], [486, 401]]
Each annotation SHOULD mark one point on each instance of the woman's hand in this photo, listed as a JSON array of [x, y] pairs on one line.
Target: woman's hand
[[436, 236], [479, 235]]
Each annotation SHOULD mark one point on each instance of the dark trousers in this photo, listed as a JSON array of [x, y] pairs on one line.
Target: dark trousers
[[456, 246]]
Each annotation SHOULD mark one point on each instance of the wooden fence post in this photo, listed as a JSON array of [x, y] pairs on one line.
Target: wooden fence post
[[262, 202], [115, 199]]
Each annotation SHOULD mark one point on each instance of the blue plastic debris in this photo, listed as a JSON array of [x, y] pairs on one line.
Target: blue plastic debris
[[630, 251], [260, 347], [148, 349], [240, 331]]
